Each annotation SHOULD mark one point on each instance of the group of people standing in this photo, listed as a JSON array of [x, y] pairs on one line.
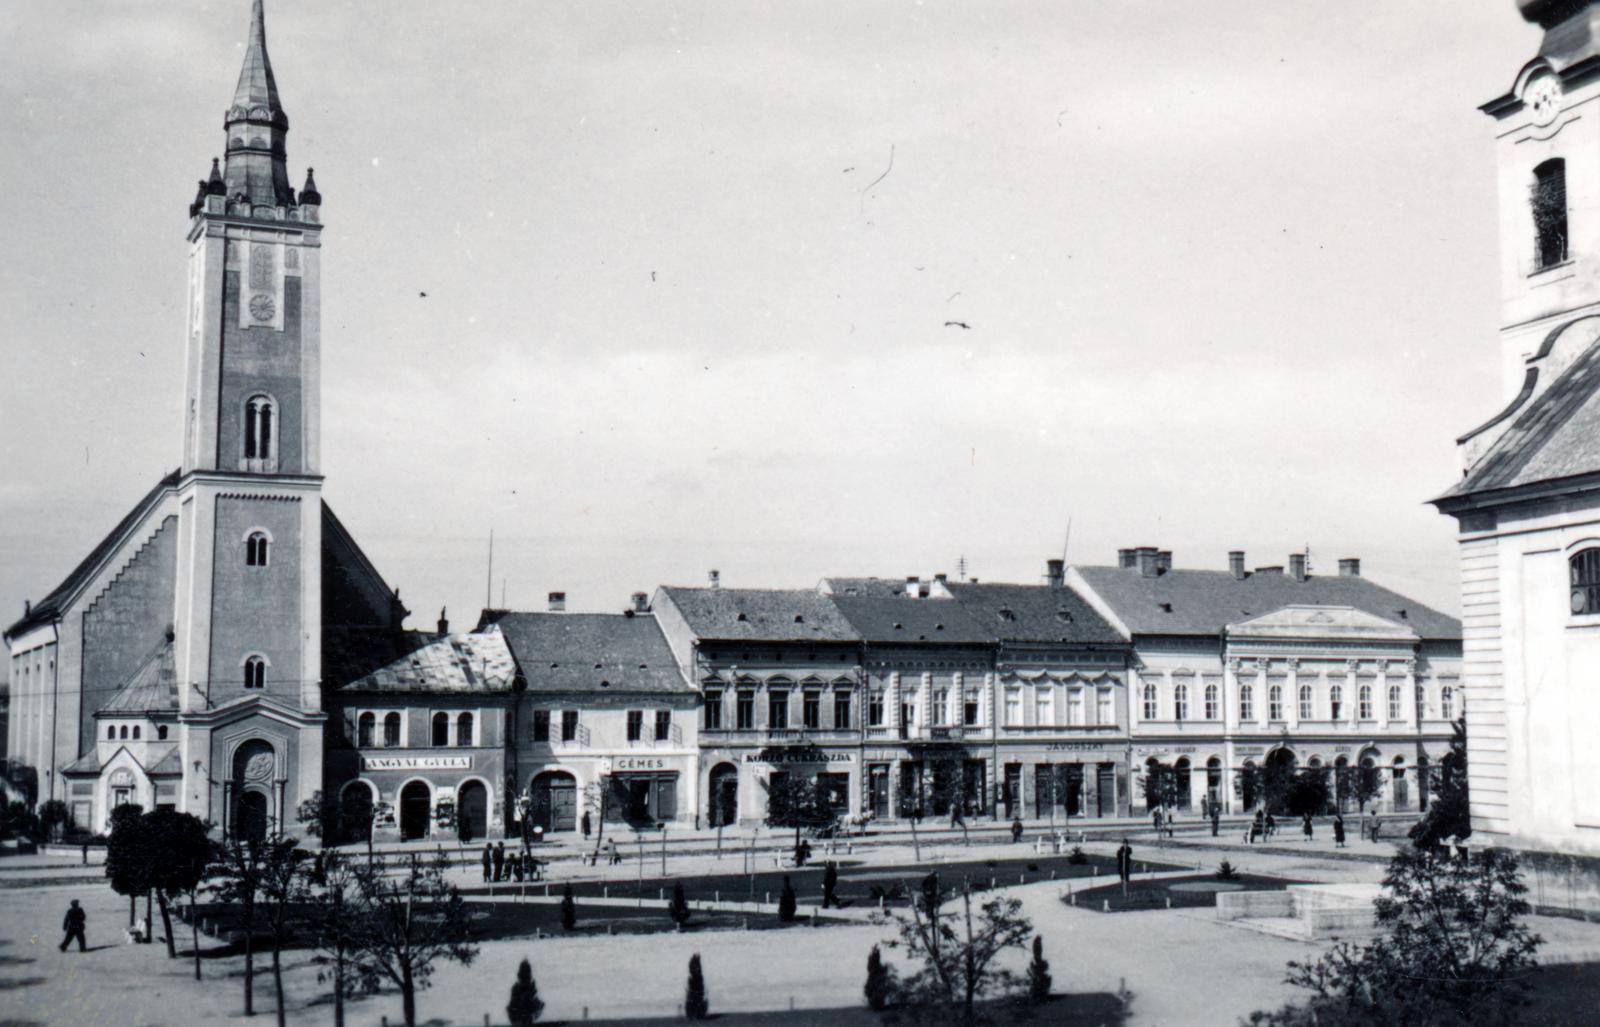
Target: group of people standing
[[497, 866]]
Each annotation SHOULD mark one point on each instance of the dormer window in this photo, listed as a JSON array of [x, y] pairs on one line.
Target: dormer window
[[1549, 203]]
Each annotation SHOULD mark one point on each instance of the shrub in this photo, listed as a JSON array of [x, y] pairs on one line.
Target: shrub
[[1038, 973], [525, 1005], [1227, 872], [1076, 856], [786, 901], [569, 909], [880, 980], [696, 1004]]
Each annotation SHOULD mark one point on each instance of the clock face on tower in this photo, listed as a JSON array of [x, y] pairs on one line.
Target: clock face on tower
[[1543, 97], [261, 307]]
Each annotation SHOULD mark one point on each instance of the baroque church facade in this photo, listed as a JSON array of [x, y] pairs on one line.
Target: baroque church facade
[[181, 663]]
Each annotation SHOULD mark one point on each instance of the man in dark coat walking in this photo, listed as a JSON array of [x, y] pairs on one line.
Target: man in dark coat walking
[[488, 859], [1125, 861], [500, 861], [73, 924], [830, 882], [1216, 818], [587, 824], [1338, 830]]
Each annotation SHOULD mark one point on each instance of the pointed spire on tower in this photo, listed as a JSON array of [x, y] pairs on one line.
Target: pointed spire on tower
[[257, 87], [309, 194], [256, 126]]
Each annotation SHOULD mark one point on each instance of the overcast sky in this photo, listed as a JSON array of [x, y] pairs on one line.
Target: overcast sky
[[786, 289]]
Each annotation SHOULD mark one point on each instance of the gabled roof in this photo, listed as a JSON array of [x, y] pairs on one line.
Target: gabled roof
[[52, 605], [1556, 436], [592, 653], [479, 663], [1193, 602], [1035, 613], [761, 615], [884, 619], [1341, 623], [153, 688]]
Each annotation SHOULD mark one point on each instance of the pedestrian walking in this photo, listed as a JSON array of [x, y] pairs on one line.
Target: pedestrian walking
[[1016, 830], [1377, 822], [587, 824], [488, 859], [1338, 830], [955, 817], [1272, 825], [1155, 820], [830, 882], [1125, 861], [500, 861], [1168, 819], [1216, 819], [1305, 826], [86, 853], [73, 924], [613, 856]]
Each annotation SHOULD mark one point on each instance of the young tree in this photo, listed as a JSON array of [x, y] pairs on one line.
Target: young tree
[[786, 901], [525, 1005], [679, 909], [334, 904], [283, 889], [1449, 815], [319, 815], [880, 981], [1452, 950], [1307, 793], [957, 951], [1365, 784], [411, 919], [128, 856], [569, 909], [696, 1003], [1038, 973], [597, 800], [178, 850], [54, 817], [237, 871], [793, 802], [1159, 784], [20, 821]]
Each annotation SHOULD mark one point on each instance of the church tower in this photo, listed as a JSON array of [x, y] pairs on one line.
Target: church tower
[[249, 573]]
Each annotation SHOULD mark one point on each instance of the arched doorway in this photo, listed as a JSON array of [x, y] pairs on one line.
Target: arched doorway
[[416, 810], [1399, 791], [355, 811], [724, 794], [554, 795], [1277, 778], [1181, 782], [1341, 784], [1248, 785], [1214, 782], [472, 810], [251, 825]]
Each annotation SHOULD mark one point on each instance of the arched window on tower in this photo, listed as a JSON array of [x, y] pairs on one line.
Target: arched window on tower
[[1550, 212], [255, 549], [255, 672], [260, 434]]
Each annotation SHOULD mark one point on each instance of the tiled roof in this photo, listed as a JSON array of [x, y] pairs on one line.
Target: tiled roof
[[1192, 602], [450, 663], [761, 614], [592, 652], [170, 765], [881, 587], [153, 688], [884, 619], [1556, 436], [88, 763], [1035, 613], [46, 609]]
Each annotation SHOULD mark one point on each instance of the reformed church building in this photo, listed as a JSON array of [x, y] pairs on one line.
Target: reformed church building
[[180, 663]]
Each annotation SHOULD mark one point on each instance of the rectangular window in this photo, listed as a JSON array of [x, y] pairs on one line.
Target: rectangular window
[[777, 710], [713, 716], [663, 725], [841, 711], [635, 725], [969, 710], [875, 709], [811, 710], [941, 706], [1394, 702], [1075, 707], [1107, 712], [569, 725], [1305, 702], [1045, 708], [745, 711], [1550, 212], [1014, 707], [541, 725]]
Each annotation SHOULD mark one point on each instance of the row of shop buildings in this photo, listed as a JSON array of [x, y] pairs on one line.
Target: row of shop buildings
[[903, 697]]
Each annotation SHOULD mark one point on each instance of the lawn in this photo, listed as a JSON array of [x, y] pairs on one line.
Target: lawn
[[1196, 891]]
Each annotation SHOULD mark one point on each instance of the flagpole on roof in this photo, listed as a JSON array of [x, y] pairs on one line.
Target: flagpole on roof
[[488, 581]]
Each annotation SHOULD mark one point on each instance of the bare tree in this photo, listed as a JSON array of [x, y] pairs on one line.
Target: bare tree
[[238, 869], [283, 889], [334, 903], [407, 922]]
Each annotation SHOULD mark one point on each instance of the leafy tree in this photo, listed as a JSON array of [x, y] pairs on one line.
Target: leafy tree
[[127, 855], [679, 909], [409, 920], [178, 853], [597, 801], [283, 888], [525, 1005], [795, 802], [1452, 951], [20, 821], [569, 909], [332, 906], [1307, 793], [238, 871], [54, 817], [880, 981], [319, 815], [1365, 784], [1450, 814], [958, 951], [1038, 973], [696, 1004], [786, 901], [1160, 785]]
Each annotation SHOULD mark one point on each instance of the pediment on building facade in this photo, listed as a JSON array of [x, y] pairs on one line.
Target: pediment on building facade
[[1322, 623]]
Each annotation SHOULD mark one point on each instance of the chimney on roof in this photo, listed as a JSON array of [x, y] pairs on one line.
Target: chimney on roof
[[641, 602], [444, 623], [715, 577], [1163, 561], [1055, 572], [941, 577], [1350, 567], [27, 607], [558, 602], [913, 584], [1148, 566], [1297, 566], [1236, 564], [1127, 559]]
